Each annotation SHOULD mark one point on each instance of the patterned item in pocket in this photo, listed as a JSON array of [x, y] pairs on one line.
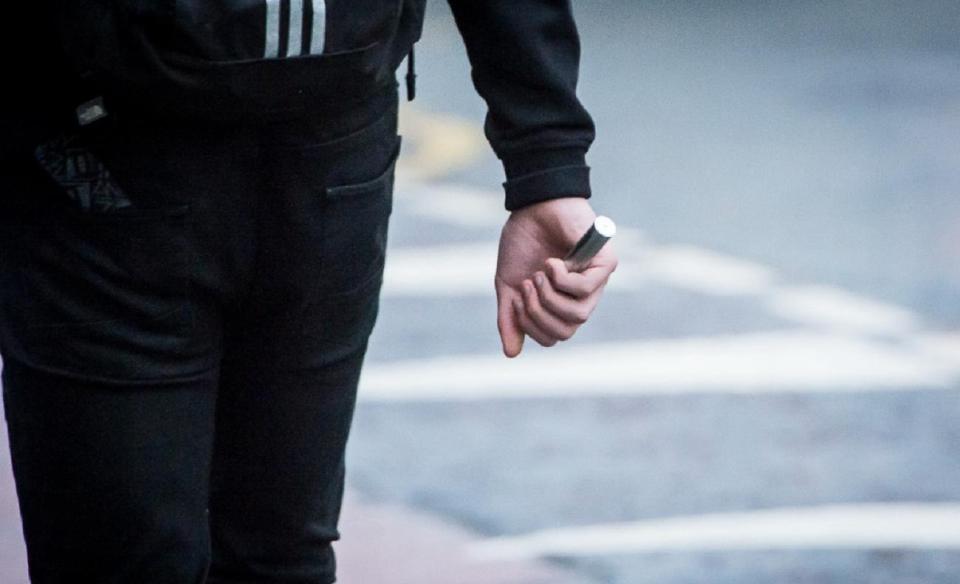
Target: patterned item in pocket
[[82, 175]]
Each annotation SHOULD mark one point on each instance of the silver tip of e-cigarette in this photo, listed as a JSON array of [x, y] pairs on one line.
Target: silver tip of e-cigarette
[[605, 226], [600, 232]]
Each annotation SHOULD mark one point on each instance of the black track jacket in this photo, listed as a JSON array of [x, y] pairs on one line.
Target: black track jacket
[[247, 59]]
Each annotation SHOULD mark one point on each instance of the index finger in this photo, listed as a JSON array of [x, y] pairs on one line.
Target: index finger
[[578, 284]]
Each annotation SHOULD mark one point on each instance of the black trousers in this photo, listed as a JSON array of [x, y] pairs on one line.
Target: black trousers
[[184, 310]]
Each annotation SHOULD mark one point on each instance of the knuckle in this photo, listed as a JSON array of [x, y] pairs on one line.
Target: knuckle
[[552, 272], [536, 312], [528, 291], [564, 281]]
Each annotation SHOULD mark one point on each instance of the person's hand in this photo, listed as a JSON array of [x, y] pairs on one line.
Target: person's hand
[[536, 295]]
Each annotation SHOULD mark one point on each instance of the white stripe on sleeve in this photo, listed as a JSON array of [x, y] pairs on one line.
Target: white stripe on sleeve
[[319, 32], [271, 44], [295, 41]]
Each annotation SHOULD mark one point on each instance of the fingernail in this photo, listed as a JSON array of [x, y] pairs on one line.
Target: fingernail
[[539, 279]]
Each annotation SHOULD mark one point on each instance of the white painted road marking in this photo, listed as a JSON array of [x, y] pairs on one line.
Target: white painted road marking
[[859, 526], [942, 345], [768, 362], [826, 306], [701, 270], [449, 270]]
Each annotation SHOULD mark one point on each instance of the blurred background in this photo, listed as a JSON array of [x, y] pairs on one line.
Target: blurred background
[[769, 391]]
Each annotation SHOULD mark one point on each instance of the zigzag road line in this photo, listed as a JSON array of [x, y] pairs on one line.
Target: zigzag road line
[[467, 269]]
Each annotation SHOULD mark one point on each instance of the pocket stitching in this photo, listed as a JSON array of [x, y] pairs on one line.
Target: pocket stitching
[[343, 194], [357, 189]]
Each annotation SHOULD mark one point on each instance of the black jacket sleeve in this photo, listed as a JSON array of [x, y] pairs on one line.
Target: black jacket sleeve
[[525, 56]]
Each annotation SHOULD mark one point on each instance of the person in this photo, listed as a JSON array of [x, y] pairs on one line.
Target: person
[[192, 240]]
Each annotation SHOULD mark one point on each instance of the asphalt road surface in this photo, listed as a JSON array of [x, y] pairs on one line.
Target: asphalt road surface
[[769, 391]]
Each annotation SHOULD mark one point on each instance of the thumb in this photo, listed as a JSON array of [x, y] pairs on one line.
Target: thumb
[[511, 337]]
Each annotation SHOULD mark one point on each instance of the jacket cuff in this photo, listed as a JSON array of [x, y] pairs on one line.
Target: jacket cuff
[[541, 175]]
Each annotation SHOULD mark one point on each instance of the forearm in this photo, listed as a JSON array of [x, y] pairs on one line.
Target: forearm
[[525, 58]]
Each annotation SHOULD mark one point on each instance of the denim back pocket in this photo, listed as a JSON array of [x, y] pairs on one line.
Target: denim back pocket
[[98, 292], [355, 220]]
